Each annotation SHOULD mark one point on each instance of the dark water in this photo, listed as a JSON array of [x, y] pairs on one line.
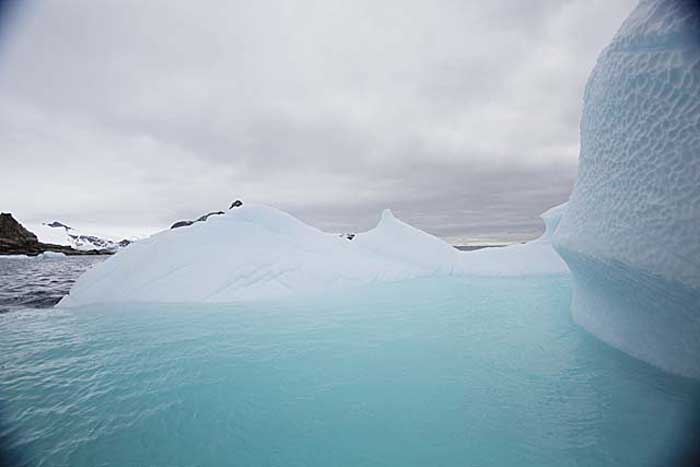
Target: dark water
[[39, 282]]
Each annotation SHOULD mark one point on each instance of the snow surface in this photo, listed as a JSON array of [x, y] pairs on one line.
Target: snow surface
[[46, 234], [631, 231], [398, 242], [75, 238], [257, 252]]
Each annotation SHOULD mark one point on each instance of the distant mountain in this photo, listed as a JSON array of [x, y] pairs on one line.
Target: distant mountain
[[59, 233], [17, 240]]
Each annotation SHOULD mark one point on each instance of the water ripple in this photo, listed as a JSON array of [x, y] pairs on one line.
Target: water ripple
[[490, 372], [39, 283]]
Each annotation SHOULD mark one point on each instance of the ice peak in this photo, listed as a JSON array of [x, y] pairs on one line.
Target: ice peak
[[388, 220]]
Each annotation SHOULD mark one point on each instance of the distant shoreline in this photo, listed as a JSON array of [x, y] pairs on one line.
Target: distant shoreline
[[17, 240]]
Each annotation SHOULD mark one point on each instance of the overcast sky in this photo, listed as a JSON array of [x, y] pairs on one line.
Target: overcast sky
[[461, 116]]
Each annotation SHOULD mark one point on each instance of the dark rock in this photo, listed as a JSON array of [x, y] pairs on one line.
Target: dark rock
[[179, 224], [203, 218], [206, 216], [11, 230], [347, 236], [236, 204], [56, 224]]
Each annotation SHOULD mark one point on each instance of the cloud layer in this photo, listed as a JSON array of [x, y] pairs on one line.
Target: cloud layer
[[461, 116]]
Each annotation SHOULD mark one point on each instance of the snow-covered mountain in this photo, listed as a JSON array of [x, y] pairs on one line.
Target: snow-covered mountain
[[58, 233]]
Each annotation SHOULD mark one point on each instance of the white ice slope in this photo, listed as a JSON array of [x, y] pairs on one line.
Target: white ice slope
[[257, 252], [416, 250], [535, 257], [631, 231]]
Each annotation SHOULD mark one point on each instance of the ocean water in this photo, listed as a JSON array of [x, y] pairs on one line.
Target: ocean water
[[39, 282], [478, 372]]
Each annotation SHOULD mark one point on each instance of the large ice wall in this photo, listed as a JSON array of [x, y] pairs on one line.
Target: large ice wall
[[257, 252], [631, 230]]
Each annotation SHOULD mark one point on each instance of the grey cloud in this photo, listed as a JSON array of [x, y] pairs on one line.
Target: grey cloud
[[463, 116]]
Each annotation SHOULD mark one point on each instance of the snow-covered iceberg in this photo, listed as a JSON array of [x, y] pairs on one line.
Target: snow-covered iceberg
[[51, 255], [631, 231], [532, 258], [418, 252], [257, 252]]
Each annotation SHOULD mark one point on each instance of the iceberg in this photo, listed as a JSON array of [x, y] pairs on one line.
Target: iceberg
[[51, 255], [417, 251], [532, 258], [257, 252], [631, 230]]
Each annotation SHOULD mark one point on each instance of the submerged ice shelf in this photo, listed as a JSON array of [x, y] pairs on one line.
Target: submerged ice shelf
[[256, 252]]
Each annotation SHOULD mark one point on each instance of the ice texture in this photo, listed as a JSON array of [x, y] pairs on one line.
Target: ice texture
[[631, 231], [257, 252]]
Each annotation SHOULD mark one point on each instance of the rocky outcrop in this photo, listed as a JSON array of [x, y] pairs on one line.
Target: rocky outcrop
[[204, 218], [179, 224], [236, 204], [13, 232], [56, 224], [16, 240]]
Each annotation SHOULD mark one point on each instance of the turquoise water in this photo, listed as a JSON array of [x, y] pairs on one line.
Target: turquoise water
[[489, 372]]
